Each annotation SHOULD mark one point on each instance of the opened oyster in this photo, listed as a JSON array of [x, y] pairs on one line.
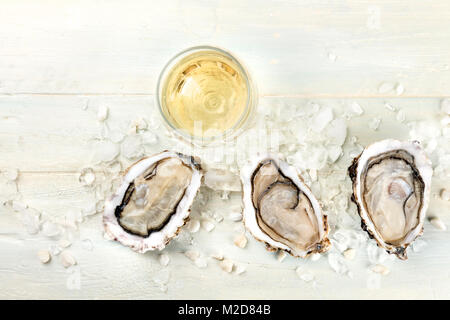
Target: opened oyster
[[391, 188], [280, 210], [153, 201]]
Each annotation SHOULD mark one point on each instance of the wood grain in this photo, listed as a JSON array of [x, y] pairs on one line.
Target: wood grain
[[91, 47], [61, 60]]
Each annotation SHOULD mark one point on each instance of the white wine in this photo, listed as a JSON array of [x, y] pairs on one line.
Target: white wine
[[205, 94]]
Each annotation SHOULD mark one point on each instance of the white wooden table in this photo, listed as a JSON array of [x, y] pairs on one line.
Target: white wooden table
[[61, 60]]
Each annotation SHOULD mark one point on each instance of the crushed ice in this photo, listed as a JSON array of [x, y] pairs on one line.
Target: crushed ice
[[313, 137]]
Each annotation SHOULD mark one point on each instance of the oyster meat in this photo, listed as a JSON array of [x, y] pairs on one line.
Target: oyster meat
[[153, 201], [391, 188], [280, 210]]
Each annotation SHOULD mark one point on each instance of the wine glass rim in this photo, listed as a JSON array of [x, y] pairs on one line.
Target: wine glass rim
[[229, 133]]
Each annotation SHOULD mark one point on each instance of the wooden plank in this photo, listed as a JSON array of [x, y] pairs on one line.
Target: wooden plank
[[50, 138], [114, 272], [298, 48], [60, 133], [61, 61]]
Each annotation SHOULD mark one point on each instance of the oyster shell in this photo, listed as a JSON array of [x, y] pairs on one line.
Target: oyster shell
[[391, 188], [280, 210], [153, 201]]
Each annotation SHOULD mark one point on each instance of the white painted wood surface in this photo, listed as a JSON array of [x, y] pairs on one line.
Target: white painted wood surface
[[57, 57]]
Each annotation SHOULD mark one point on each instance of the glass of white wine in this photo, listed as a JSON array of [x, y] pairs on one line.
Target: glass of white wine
[[206, 95]]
